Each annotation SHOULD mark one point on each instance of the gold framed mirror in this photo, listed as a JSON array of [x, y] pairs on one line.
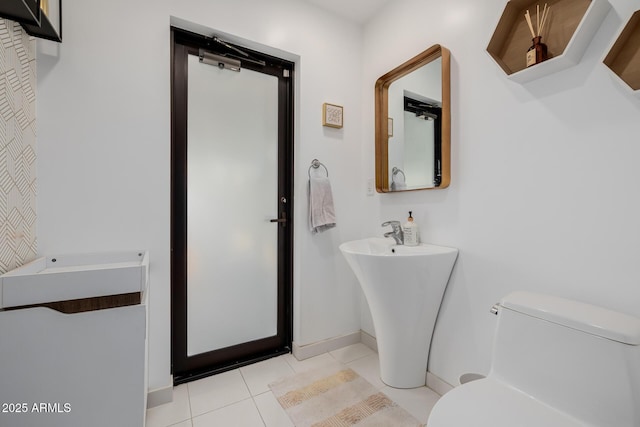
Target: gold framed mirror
[[413, 124]]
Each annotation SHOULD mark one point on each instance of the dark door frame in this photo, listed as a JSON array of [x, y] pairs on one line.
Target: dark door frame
[[187, 368]]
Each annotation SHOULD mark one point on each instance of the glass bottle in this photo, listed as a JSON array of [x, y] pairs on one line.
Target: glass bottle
[[537, 52]]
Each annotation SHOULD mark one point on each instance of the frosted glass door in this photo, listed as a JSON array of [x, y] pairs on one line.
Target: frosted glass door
[[232, 164]]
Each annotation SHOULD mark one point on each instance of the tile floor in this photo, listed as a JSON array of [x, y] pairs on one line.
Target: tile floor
[[242, 398]]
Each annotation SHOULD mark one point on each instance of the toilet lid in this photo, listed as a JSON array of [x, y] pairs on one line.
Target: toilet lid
[[490, 403]]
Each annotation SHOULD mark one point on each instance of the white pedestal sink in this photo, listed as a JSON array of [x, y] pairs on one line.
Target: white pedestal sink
[[404, 287]]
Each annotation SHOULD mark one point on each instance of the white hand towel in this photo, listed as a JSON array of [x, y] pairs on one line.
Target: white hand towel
[[321, 212]]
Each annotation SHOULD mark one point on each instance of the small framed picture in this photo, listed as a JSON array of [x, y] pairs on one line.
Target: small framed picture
[[389, 127], [332, 115]]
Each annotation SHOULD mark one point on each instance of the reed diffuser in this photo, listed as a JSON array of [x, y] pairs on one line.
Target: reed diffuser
[[538, 50]]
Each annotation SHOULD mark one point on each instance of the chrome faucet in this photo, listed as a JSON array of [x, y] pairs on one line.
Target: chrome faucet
[[396, 231]]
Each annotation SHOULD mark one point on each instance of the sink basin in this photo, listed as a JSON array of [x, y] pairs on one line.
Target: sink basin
[[71, 277], [404, 286]]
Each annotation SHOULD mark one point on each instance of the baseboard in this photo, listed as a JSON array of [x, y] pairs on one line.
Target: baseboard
[[160, 396], [306, 351], [437, 384], [369, 340]]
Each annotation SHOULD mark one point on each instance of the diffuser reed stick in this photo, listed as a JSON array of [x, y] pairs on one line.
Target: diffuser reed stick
[[545, 14], [527, 16]]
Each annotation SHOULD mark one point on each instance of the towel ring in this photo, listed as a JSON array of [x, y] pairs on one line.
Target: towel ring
[[396, 171], [315, 163]]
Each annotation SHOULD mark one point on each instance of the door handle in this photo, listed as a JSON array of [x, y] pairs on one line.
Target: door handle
[[282, 220]]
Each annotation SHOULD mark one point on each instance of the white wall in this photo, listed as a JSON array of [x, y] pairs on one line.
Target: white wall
[[104, 144], [104, 141], [544, 175]]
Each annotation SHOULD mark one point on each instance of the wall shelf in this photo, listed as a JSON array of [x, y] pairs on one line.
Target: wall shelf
[[35, 22], [569, 30], [46, 30], [624, 56], [23, 11]]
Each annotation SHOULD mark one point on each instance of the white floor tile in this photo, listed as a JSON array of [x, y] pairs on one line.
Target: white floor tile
[[217, 391], [225, 399], [173, 412], [310, 363], [417, 401], [272, 413], [368, 368], [259, 375], [351, 352], [240, 414]]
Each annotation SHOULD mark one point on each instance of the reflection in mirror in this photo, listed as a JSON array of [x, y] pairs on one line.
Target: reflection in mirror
[[414, 99]]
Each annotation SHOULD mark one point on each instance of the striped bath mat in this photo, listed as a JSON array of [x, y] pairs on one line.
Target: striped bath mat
[[336, 396]]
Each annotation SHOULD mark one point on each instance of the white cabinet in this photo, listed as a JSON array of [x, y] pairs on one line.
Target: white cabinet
[[81, 366]]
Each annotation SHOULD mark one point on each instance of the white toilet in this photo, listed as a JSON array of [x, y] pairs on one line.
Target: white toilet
[[556, 363]]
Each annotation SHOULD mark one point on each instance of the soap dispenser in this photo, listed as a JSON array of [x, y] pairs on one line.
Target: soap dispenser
[[410, 230]]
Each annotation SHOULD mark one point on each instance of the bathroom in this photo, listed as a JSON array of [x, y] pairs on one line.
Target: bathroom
[[543, 174]]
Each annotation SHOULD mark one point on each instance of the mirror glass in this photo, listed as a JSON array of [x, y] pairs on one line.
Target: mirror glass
[[413, 124]]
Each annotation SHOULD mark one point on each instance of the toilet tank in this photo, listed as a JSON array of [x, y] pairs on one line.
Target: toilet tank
[[578, 358]]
